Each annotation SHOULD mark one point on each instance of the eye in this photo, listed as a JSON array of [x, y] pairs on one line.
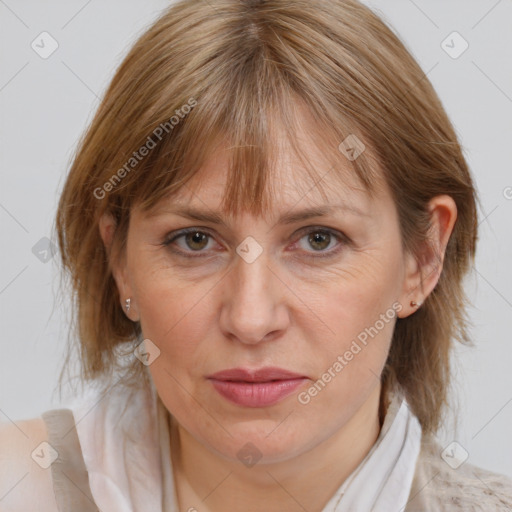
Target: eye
[[194, 240], [320, 240]]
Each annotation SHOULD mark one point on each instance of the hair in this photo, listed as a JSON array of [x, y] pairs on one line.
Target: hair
[[205, 75]]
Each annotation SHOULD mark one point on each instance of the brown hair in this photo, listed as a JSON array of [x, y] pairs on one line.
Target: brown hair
[[207, 74]]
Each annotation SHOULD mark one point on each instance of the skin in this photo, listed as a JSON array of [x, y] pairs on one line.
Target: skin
[[289, 309]]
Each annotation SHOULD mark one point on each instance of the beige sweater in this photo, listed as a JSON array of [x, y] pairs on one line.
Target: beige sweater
[[437, 487]]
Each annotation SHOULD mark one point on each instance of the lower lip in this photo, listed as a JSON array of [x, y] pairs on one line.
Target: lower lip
[[256, 394]]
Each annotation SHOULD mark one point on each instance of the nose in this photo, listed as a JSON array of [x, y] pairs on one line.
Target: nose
[[254, 308]]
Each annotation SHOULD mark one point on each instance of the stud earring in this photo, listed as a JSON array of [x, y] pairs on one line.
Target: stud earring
[[415, 304], [127, 304]]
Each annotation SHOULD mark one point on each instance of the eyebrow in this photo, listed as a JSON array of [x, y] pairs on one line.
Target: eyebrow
[[286, 218]]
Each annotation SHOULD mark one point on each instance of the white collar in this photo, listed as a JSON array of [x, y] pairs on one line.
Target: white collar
[[383, 479]]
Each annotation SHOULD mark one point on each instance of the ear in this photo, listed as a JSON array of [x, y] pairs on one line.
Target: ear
[[107, 227], [422, 271]]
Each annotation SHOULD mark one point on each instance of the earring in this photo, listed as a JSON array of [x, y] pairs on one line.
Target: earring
[[415, 304], [127, 304]]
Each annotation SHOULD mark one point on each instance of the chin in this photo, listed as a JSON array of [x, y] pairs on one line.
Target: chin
[[260, 442]]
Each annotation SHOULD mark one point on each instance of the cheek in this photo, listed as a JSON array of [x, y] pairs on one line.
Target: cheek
[[176, 316], [356, 312], [348, 363], [355, 294]]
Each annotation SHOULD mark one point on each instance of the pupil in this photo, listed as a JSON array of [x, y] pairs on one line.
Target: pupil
[[197, 237], [318, 238]]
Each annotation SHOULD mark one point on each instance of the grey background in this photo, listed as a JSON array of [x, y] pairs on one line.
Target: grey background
[[45, 104]]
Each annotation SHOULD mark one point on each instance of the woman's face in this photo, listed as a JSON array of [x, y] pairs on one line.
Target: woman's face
[[314, 296]]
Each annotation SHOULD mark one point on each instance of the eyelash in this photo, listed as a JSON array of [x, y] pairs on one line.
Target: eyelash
[[340, 237]]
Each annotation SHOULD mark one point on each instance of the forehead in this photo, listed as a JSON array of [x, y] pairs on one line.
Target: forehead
[[295, 182], [289, 183]]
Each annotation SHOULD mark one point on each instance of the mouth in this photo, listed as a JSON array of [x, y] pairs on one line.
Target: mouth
[[262, 387]]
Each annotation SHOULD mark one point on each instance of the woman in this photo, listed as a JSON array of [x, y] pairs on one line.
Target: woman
[[266, 227]]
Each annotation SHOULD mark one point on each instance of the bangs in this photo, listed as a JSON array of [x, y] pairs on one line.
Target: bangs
[[256, 112]]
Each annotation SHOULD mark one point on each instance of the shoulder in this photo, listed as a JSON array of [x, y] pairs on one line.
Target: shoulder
[[443, 482], [25, 484]]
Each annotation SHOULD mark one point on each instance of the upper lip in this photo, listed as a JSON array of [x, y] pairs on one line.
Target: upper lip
[[265, 374]]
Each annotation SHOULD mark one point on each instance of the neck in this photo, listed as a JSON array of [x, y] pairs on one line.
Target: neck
[[209, 483]]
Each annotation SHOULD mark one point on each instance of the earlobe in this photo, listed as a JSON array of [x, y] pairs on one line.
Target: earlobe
[[424, 270], [411, 297]]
